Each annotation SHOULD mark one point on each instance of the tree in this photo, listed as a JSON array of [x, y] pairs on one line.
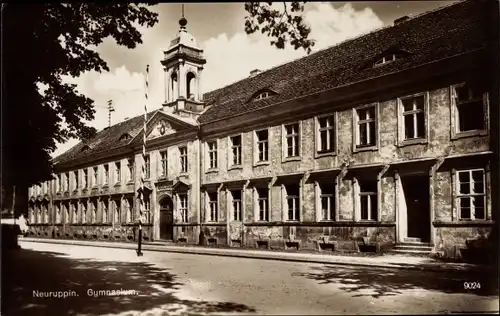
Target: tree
[[282, 22], [41, 44]]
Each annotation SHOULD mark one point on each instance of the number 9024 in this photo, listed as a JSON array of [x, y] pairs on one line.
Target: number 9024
[[472, 285]]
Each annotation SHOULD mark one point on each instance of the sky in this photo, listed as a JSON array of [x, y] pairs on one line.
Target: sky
[[230, 53]]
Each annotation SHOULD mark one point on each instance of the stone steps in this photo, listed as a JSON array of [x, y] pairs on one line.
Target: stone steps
[[413, 246]]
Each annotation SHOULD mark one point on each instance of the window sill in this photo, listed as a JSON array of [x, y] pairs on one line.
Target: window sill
[[236, 167], [130, 181], [184, 174], [466, 134], [262, 163], [118, 184], [212, 170], [410, 142], [365, 148], [295, 158], [318, 154]]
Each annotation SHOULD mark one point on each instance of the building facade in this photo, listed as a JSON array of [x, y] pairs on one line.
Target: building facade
[[387, 136]]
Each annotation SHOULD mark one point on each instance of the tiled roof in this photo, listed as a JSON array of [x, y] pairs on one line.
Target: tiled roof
[[439, 34], [107, 139]]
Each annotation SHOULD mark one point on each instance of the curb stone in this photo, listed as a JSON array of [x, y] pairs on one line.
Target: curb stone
[[280, 256]]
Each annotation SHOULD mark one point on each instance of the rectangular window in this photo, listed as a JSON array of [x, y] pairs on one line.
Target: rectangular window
[[106, 174], [93, 213], [292, 140], [212, 154], [117, 211], [327, 201], [414, 117], [184, 159], [293, 202], [74, 216], [366, 129], [105, 211], [236, 150], [263, 145], [130, 166], [236, 204], [95, 175], [77, 182], [471, 194], [212, 206], [469, 103], [183, 207], [118, 168], [326, 134], [85, 178], [84, 212], [164, 163], [263, 203], [59, 182], [66, 176], [147, 167], [368, 200]]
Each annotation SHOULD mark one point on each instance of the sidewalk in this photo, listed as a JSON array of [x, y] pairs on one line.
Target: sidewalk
[[385, 261]]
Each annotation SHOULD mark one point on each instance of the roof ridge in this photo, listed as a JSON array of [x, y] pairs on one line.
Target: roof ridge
[[340, 43]]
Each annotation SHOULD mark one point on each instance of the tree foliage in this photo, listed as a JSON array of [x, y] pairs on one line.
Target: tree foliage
[[282, 22], [42, 43]]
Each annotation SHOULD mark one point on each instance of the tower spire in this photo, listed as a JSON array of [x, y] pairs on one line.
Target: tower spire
[[183, 22]]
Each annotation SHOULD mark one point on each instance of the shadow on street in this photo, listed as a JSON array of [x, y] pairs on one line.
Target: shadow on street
[[25, 271], [390, 282]]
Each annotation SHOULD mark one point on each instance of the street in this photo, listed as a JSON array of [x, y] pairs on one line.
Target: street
[[161, 283]]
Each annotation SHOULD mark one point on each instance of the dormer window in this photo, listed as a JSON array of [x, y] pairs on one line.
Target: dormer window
[[125, 136], [85, 148], [386, 59], [263, 95]]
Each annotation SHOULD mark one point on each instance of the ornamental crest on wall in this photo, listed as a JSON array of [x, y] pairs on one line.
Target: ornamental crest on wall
[[163, 127]]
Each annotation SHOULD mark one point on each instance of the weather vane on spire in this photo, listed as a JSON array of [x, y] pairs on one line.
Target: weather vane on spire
[[182, 9]]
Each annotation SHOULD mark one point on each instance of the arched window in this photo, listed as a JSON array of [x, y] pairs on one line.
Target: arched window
[[191, 86], [174, 92]]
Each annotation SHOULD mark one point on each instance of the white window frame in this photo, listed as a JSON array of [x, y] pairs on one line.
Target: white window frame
[[77, 179], [472, 196], [370, 195], [455, 124], [239, 149], [130, 168], [163, 163], [210, 203], [85, 175], [263, 95], [387, 58], [66, 181], [236, 213], [147, 166], [74, 213], [104, 210], [118, 170], [256, 147], [183, 206], [257, 203], [83, 215], [106, 176], [297, 137], [183, 158], [332, 212], [332, 129], [95, 179], [401, 120], [356, 128], [297, 204], [210, 152]]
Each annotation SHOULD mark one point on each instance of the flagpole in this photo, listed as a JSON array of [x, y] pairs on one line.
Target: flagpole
[[142, 208]]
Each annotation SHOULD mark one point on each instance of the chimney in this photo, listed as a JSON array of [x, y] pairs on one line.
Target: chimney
[[254, 72], [401, 19]]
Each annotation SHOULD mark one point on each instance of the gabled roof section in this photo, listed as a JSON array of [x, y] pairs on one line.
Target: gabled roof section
[[105, 140], [439, 34]]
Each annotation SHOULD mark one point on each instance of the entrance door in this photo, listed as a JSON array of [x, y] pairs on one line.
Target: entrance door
[[166, 219], [416, 191]]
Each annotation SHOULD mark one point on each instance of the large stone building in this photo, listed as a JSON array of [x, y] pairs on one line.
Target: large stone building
[[387, 136]]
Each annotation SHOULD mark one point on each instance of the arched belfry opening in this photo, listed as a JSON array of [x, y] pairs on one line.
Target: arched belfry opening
[[191, 86], [174, 86]]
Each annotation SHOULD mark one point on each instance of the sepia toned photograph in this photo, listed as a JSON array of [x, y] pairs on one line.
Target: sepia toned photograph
[[250, 158]]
